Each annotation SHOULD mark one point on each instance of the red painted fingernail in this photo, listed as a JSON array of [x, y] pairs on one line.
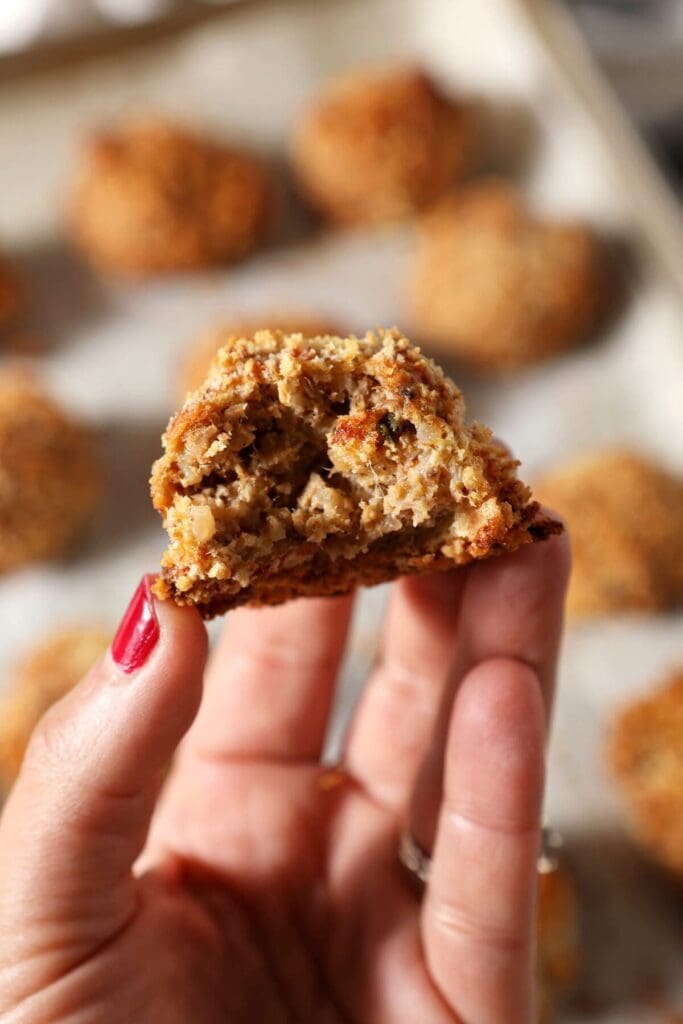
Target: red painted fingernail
[[138, 633]]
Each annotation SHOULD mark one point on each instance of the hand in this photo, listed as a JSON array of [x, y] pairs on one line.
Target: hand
[[269, 889]]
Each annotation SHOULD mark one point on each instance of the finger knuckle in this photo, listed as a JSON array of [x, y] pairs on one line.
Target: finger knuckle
[[405, 690], [285, 661], [491, 823], [467, 926], [52, 741]]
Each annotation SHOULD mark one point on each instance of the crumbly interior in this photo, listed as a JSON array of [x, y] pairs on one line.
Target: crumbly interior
[[310, 465], [646, 755]]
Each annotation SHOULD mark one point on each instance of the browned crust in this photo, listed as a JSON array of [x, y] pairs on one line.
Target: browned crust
[[499, 287], [625, 517], [200, 354], [379, 145], [44, 675], [645, 754], [490, 508], [374, 569], [50, 481], [154, 197]]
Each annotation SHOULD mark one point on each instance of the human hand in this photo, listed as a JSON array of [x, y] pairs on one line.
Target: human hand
[[269, 888]]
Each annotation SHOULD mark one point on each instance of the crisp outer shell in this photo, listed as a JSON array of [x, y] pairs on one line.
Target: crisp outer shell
[[439, 494], [50, 478], [43, 676], [499, 287], [379, 145], [151, 196], [625, 516], [645, 754]]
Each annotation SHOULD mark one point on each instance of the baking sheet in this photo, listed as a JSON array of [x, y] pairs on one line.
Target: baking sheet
[[112, 350]]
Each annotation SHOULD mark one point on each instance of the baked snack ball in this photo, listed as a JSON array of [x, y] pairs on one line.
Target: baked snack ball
[[625, 519], [40, 679], [377, 146], [153, 197], [312, 465], [11, 294], [558, 952], [49, 477], [645, 753], [201, 352], [496, 286]]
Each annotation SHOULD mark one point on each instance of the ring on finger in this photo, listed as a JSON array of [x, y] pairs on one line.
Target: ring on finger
[[417, 862]]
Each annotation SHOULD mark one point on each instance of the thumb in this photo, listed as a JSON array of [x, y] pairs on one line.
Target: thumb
[[79, 812]]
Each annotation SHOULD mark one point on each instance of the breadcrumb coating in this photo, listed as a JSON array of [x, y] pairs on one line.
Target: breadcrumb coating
[[558, 939], [311, 465], [39, 680], [200, 354], [645, 753], [151, 197], [625, 518], [496, 286], [49, 478], [377, 146]]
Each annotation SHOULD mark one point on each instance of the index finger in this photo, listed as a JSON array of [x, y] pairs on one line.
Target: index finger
[[270, 684]]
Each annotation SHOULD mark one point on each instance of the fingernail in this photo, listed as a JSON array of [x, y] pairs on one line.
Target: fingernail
[[138, 633]]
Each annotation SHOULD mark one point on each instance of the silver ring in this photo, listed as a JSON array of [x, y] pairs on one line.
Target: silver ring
[[417, 861], [413, 858]]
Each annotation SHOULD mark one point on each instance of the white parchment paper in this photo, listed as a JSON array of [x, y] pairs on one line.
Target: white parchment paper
[[112, 350]]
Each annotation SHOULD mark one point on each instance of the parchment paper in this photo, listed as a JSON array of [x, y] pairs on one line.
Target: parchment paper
[[112, 351]]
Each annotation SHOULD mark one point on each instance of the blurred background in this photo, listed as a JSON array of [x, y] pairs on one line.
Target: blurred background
[[638, 43], [111, 350]]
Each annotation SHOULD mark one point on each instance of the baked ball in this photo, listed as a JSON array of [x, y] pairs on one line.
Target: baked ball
[[11, 294], [153, 197], [199, 356], [625, 520], [378, 145], [44, 675], [308, 466], [645, 752], [558, 950], [498, 287], [49, 477]]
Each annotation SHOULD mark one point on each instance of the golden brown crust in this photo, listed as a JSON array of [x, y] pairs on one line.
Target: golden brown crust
[[49, 479], [314, 465], [558, 939], [153, 197], [625, 520], [12, 294], [499, 287], [645, 753], [40, 679], [201, 352], [378, 146]]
